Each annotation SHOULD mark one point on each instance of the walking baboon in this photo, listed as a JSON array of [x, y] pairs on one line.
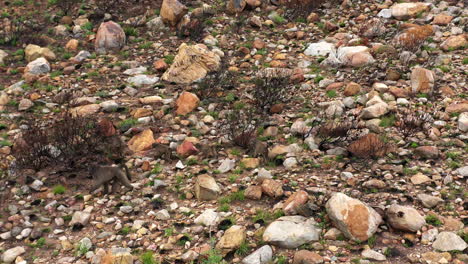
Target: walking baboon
[[103, 175]]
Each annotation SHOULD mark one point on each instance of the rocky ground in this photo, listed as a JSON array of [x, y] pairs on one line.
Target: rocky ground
[[171, 78]]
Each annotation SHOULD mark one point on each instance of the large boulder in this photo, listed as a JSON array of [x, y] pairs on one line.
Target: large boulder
[[454, 42], [33, 52], [291, 231], [38, 66], [422, 80], [404, 218], [172, 11], [110, 37], [404, 11], [355, 219], [191, 63]]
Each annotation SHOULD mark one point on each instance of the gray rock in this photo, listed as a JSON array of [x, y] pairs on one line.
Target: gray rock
[[36, 185], [80, 218], [85, 244], [16, 230], [463, 171], [38, 66], [109, 106], [429, 236], [82, 55], [291, 231], [262, 255], [5, 236], [25, 104], [142, 79], [290, 163], [385, 13], [156, 24], [373, 255], [405, 218], [227, 165], [11, 254], [135, 71], [163, 215], [429, 201], [126, 209], [448, 241]]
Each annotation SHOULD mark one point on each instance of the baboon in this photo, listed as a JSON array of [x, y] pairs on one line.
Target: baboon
[[259, 149], [103, 175], [161, 151]]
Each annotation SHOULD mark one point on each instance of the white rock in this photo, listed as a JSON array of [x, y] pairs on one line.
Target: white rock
[[373, 255], [385, 13], [142, 79], [3, 55], [135, 71], [319, 49], [163, 215], [463, 122], [291, 231], [405, 218], [448, 241], [38, 66], [227, 165], [208, 218], [262, 255], [11, 254]]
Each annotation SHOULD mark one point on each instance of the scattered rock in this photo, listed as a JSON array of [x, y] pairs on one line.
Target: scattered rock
[[232, 239], [422, 81], [354, 218], [38, 66], [186, 103], [191, 63], [448, 241], [262, 255], [172, 11], [291, 231], [405, 218], [110, 37], [206, 188]]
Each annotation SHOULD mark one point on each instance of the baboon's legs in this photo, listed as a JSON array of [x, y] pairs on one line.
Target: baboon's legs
[[106, 187], [123, 179], [115, 186]]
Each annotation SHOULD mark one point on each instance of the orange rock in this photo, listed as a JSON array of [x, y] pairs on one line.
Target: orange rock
[[253, 192], [106, 127], [352, 89], [259, 44], [442, 19], [172, 11], [34, 96], [272, 188], [160, 65], [294, 201], [142, 112], [186, 103], [72, 45], [142, 141], [145, 166], [457, 108]]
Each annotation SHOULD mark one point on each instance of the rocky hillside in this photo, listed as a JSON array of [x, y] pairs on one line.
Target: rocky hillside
[[256, 132]]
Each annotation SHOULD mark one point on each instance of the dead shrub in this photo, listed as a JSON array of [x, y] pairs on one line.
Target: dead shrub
[[413, 37], [334, 131], [241, 125], [296, 9], [369, 146], [270, 90], [409, 123], [194, 28], [67, 5], [69, 141], [217, 81]]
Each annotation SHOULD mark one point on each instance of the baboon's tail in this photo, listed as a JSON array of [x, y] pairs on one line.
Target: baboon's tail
[[127, 171]]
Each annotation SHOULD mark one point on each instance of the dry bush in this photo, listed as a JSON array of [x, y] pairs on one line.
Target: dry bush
[[413, 37], [369, 146], [241, 125], [67, 5], [408, 123], [302, 8], [270, 90], [69, 142], [334, 131], [214, 82]]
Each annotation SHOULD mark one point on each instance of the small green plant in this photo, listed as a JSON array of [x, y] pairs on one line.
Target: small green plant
[[124, 231], [82, 249], [5, 143], [331, 93], [130, 31], [387, 121], [371, 241], [243, 249], [433, 220], [157, 169], [58, 189], [127, 124], [168, 232], [39, 243], [281, 259], [278, 19], [147, 258], [169, 59], [212, 257], [230, 97], [88, 26]]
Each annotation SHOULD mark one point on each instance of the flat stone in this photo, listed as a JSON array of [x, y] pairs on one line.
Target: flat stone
[[291, 231], [448, 241]]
